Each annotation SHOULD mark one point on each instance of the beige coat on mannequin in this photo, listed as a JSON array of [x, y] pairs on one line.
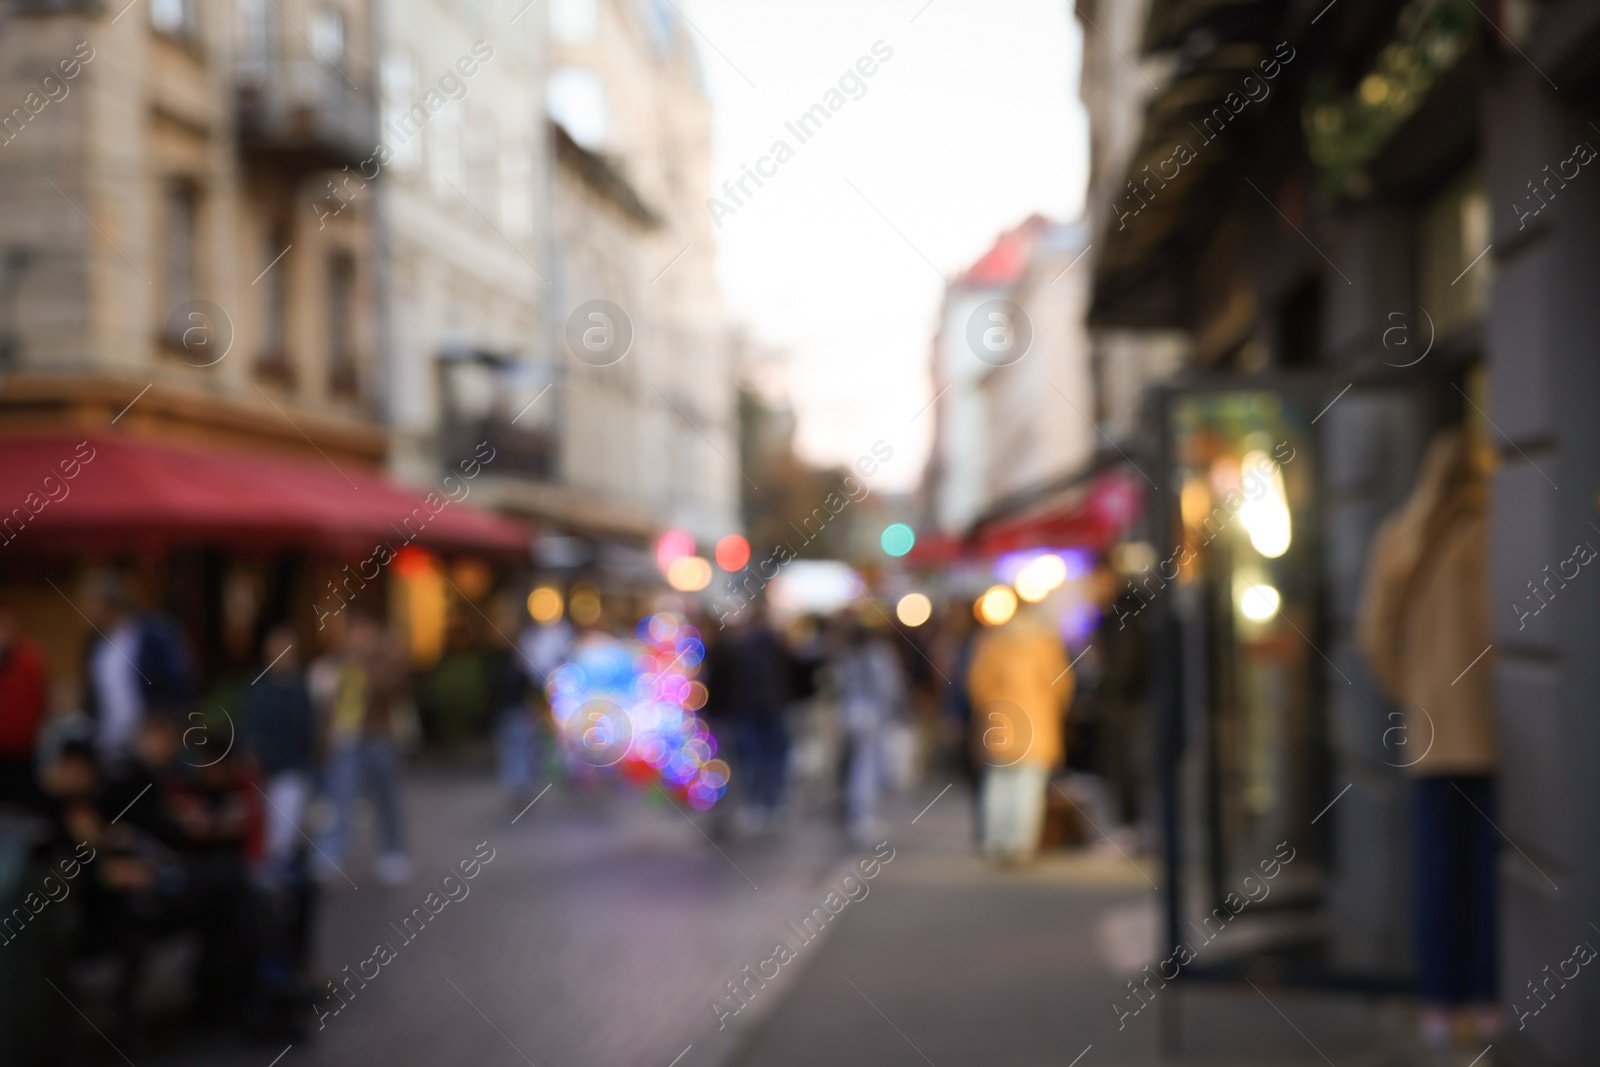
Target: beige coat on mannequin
[[1424, 616]]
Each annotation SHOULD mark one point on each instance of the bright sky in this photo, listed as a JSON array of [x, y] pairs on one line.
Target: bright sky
[[971, 126]]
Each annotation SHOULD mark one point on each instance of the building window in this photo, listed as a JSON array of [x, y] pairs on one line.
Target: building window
[[175, 18], [482, 150], [343, 366], [254, 30], [574, 21], [404, 115], [1453, 275], [180, 251], [273, 361], [577, 100], [444, 152], [327, 34]]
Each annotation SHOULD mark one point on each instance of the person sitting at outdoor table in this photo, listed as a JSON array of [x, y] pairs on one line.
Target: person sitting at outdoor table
[[171, 843]]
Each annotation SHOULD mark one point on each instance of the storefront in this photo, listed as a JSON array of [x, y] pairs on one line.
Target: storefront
[[232, 542]]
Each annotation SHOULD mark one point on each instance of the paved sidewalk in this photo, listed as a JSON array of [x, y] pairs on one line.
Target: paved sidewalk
[[952, 962], [606, 926]]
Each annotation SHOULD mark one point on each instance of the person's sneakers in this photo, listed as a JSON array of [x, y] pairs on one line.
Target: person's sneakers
[[394, 869]]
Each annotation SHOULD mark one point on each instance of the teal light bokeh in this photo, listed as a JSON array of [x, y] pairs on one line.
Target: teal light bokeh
[[897, 539]]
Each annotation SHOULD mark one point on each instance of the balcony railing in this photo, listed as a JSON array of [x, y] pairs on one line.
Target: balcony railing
[[305, 114], [493, 398]]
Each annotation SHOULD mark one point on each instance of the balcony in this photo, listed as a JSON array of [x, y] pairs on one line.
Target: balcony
[[498, 401], [304, 114]]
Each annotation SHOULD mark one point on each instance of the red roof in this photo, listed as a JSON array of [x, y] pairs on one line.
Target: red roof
[[1003, 264], [128, 492]]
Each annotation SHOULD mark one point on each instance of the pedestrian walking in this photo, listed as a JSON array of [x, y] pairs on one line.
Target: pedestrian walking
[[1425, 612], [759, 685], [138, 664], [871, 693], [363, 757], [278, 730], [515, 681], [1020, 685]]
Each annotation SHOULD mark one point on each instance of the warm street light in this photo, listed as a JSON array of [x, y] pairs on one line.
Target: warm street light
[[690, 574], [914, 609], [996, 606], [544, 604]]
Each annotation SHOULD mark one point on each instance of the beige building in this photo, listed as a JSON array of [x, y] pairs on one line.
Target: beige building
[[170, 290], [648, 403], [463, 208], [157, 174], [1012, 373], [1037, 408]]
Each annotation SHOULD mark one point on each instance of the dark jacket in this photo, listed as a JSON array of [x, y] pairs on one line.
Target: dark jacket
[[755, 674], [508, 681], [277, 725], [165, 667]]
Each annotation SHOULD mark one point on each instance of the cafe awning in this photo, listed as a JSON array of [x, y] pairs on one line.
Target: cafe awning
[[109, 491]]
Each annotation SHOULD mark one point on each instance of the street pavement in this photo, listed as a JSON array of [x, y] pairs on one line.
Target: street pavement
[[607, 927], [952, 961]]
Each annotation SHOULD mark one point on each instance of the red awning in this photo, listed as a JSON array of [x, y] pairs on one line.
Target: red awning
[[1091, 516], [1094, 518], [128, 492]]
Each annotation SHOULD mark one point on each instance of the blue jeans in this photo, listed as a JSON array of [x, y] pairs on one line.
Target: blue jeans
[[368, 764], [763, 757], [515, 738], [1455, 888]]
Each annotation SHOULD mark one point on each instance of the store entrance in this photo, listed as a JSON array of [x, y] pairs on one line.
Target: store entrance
[[1274, 869]]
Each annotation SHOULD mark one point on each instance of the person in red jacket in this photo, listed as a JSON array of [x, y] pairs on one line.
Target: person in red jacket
[[22, 696]]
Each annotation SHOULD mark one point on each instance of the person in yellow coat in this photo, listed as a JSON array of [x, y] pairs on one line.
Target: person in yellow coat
[[1020, 686]]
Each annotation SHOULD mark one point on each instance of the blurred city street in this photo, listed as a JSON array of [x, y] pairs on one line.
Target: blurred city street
[[609, 924], [739, 533]]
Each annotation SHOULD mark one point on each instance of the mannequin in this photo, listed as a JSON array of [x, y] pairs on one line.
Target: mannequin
[[1424, 617]]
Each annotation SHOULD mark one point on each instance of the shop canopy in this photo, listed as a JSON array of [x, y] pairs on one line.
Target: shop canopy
[[106, 491], [1089, 515]]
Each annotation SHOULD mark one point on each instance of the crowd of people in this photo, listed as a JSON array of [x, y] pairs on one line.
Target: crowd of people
[[195, 820], [1000, 705]]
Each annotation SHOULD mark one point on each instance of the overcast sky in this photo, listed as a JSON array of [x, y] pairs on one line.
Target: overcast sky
[[971, 126]]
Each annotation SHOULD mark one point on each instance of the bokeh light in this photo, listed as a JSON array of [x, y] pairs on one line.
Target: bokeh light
[[1265, 512], [996, 605], [733, 552], [627, 708], [897, 539], [1040, 578], [672, 546], [1259, 602], [584, 606], [690, 574], [412, 562], [914, 609], [544, 604]]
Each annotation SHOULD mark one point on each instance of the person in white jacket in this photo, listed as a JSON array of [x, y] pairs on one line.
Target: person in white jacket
[[871, 692]]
